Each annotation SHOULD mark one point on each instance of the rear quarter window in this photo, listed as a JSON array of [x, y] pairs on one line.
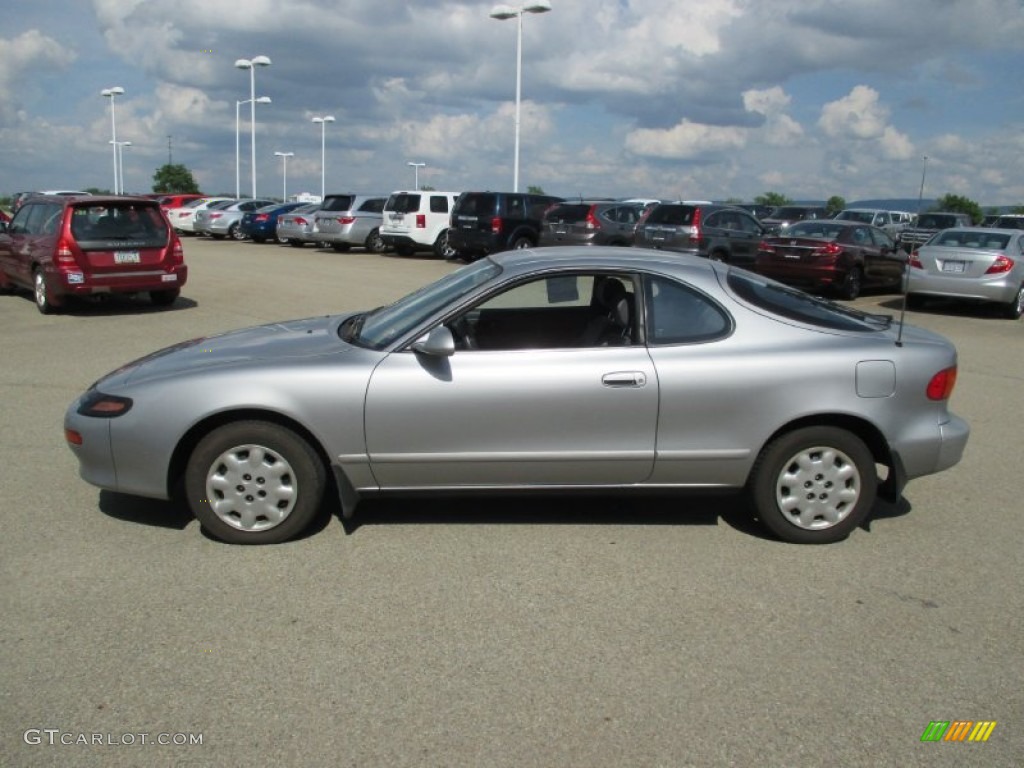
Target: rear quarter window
[[792, 304], [438, 204]]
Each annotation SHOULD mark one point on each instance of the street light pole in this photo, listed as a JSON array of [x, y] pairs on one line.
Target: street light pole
[[284, 172], [110, 93], [119, 147], [251, 64], [502, 13], [323, 151], [416, 171], [238, 162]]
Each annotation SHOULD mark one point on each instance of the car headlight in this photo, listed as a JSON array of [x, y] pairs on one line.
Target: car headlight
[[103, 406]]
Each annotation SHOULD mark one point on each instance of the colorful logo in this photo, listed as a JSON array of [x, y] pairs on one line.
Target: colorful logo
[[958, 730]]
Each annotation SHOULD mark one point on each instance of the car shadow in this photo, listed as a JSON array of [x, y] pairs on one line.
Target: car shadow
[[950, 307], [144, 511], [109, 304], [541, 509]]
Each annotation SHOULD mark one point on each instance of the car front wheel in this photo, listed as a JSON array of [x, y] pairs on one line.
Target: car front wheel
[[814, 485], [253, 482]]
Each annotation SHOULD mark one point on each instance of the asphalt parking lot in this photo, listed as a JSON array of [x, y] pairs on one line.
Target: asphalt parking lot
[[619, 632]]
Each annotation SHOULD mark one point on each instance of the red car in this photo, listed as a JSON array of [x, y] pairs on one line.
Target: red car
[[176, 201], [840, 257], [78, 246]]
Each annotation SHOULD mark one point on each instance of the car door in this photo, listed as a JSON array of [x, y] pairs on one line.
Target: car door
[[520, 402], [884, 262]]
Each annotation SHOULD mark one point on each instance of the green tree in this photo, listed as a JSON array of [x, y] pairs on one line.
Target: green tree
[[773, 199], [534, 190], [174, 179], [97, 191], [835, 204], [959, 204]]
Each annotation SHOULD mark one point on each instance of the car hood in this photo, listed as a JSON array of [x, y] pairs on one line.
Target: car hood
[[290, 340]]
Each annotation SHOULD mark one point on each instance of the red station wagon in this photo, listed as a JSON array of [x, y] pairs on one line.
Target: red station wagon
[[80, 246]]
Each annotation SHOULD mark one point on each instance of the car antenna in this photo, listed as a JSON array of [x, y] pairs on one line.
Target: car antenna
[[906, 264]]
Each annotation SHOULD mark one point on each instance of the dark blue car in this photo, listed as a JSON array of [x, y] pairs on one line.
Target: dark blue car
[[261, 224]]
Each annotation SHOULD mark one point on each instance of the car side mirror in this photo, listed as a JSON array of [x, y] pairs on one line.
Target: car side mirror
[[439, 342]]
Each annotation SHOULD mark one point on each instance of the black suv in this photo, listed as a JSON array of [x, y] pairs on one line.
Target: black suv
[[719, 232], [583, 222], [488, 222], [928, 224]]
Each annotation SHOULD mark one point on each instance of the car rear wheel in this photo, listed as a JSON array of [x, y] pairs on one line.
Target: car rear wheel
[[521, 242], [375, 243], [849, 289], [1014, 309], [46, 302], [164, 298], [814, 485], [253, 482], [235, 232], [442, 246]]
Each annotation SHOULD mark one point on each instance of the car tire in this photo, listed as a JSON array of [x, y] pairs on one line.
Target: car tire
[[520, 242], [375, 243], [850, 288], [1012, 310], [296, 243], [814, 485], [235, 232], [253, 482], [164, 298], [46, 302], [340, 247], [442, 246]]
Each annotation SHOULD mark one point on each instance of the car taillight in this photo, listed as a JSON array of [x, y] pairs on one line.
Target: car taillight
[[696, 236], [346, 219], [765, 247], [64, 253], [421, 221], [177, 252], [262, 217], [591, 221], [828, 249], [215, 215], [300, 221], [915, 261], [942, 383], [496, 225], [1000, 265]]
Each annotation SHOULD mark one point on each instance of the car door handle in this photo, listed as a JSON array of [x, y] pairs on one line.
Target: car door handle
[[624, 379]]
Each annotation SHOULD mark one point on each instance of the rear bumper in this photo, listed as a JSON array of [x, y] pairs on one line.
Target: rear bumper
[[79, 283], [1000, 288]]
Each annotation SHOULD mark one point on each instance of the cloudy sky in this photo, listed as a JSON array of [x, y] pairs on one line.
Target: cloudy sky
[[660, 98]]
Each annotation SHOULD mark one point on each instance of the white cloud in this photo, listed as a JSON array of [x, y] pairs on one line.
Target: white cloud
[[858, 115], [29, 51], [685, 140], [780, 129]]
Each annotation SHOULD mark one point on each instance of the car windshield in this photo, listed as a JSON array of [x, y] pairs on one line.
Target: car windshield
[[379, 328], [864, 217], [815, 228], [935, 221], [338, 203], [794, 304], [788, 213], [966, 238], [403, 203], [567, 212], [672, 214]]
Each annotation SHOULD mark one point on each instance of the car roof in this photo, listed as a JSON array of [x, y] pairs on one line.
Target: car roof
[[610, 257]]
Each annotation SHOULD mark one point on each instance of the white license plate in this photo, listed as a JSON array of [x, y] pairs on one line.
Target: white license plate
[[954, 266], [126, 257]]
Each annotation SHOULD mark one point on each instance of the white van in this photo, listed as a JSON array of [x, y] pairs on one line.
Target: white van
[[418, 221]]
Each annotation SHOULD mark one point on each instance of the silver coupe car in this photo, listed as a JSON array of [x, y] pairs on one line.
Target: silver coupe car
[[556, 369]]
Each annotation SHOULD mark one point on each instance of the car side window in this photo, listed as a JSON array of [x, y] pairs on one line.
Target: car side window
[[20, 222], [748, 224], [678, 314], [373, 205], [516, 207], [554, 312]]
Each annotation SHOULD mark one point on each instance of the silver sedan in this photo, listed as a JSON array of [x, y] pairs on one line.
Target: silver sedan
[[976, 264], [557, 369]]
